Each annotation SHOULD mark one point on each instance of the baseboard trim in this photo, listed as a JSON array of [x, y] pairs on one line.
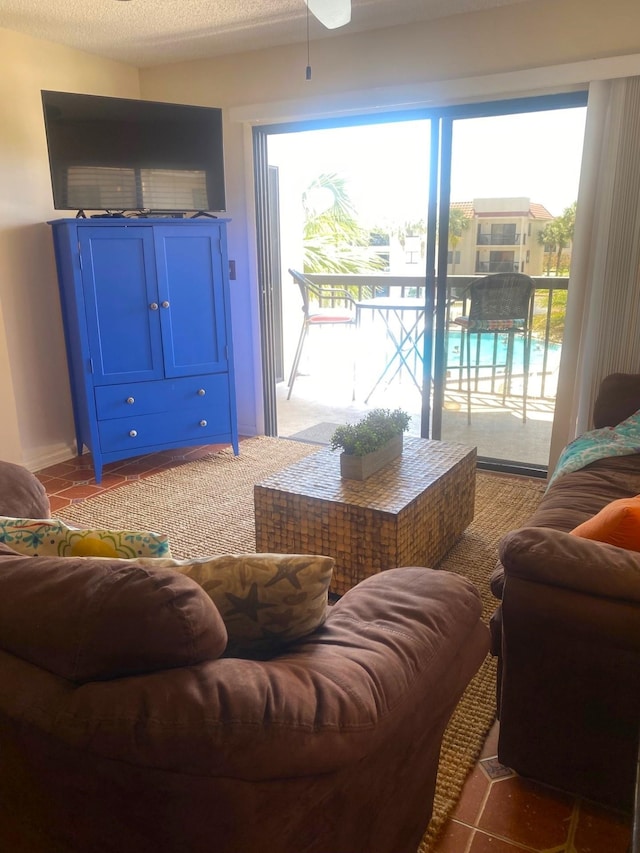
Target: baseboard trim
[[50, 456]]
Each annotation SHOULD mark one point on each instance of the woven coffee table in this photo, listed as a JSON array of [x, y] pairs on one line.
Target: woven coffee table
[[408, 514]]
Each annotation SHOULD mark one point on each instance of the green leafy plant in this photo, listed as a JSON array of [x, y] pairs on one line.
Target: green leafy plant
[[370, 433], [333, 239]]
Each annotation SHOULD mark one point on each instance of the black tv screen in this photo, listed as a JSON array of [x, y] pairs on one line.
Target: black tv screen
[[119, 154]]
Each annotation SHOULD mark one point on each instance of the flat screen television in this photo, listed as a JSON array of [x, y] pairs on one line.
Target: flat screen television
[[120, 154]]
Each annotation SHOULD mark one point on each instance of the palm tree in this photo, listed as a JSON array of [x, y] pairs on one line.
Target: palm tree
[[333, 239], [557, 235], [458, 224]]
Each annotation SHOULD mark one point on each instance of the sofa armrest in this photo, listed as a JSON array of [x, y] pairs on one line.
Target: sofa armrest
[[546, 556], [87, 619], [396, 651], [22, 495]]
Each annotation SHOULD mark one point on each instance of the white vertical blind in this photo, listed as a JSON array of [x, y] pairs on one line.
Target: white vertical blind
[[602, 333]]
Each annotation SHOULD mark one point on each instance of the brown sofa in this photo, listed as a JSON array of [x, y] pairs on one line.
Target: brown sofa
[[567, 632], [123, 729]]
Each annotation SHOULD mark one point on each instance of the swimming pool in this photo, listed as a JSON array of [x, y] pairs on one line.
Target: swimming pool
[[536, 358]]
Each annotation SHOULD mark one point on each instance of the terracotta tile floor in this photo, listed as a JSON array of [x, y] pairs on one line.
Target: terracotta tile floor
[[499, 812], [72, 481]]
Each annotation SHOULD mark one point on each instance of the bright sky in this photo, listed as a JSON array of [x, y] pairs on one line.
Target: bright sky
[[535, 155]]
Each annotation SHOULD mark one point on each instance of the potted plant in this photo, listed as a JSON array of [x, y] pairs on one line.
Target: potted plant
[[371, 443]]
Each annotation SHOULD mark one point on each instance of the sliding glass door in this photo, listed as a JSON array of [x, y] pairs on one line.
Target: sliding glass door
[[352, 204], [513, 183], [410, 209]]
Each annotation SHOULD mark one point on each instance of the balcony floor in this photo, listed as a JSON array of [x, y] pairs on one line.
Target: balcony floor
[[322, 399]]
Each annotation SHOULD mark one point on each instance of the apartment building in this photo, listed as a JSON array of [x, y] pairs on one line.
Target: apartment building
[[502, 236]]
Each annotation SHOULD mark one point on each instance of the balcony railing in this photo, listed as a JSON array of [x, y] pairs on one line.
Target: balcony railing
[[548, 319], [498, 239], [484, 267]]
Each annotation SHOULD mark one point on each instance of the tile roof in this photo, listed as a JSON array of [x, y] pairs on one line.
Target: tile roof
[[465, 206], [539, 211], [535, 211]]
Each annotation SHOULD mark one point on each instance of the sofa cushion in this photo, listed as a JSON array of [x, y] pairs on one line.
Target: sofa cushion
[[578, 496], [265, 600], [618, 523], [88, 619], [618, 398], [21, 493], [50, 537]]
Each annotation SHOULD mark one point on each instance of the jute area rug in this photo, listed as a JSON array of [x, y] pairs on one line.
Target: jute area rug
[[206, 507]]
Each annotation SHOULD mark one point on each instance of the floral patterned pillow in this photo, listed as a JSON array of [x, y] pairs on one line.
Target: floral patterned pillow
[[48, 537]]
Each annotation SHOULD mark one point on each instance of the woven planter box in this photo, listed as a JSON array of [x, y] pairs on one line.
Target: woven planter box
[[361, 467]]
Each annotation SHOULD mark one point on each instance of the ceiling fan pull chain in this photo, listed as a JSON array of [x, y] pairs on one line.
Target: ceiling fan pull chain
[[308, 71], [331, 14]]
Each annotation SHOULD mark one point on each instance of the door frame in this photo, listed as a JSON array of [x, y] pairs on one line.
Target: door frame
[[442, 119]]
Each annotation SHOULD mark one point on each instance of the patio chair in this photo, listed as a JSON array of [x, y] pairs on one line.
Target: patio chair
[[341, 310], [499, 305]]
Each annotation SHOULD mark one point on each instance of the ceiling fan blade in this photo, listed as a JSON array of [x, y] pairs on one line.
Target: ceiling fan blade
[[331, 13]]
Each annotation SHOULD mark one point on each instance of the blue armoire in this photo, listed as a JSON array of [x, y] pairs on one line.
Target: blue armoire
[[145, 307]]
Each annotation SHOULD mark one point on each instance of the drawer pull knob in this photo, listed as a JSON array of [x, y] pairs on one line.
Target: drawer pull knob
[[201, 392], [165, 304], [133, 433], [154, 306], [203, 422], [130, 400]]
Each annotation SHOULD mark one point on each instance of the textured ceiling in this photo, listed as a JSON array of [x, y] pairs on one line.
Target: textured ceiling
[[155, 32]]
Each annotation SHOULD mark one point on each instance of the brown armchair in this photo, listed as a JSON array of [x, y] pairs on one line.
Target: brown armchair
[[124, 728]]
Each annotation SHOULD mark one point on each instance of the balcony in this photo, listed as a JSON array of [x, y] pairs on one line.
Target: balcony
[[322, 398]]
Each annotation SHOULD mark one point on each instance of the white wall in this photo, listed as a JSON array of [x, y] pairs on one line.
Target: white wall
[[485, 54], [36, 426]]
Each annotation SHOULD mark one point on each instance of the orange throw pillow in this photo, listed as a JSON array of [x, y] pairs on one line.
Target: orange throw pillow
[[618, 523]]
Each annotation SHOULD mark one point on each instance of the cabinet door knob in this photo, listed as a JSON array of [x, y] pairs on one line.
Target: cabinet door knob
[[133, 433], [201, 392], [203, 422], [154, 306], [130, 400], [165, 304]]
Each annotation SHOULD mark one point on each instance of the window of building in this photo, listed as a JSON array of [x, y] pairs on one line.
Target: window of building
[[503, 234]]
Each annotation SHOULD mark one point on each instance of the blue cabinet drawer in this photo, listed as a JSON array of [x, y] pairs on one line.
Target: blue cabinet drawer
[[143, 431], [165, 395]]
